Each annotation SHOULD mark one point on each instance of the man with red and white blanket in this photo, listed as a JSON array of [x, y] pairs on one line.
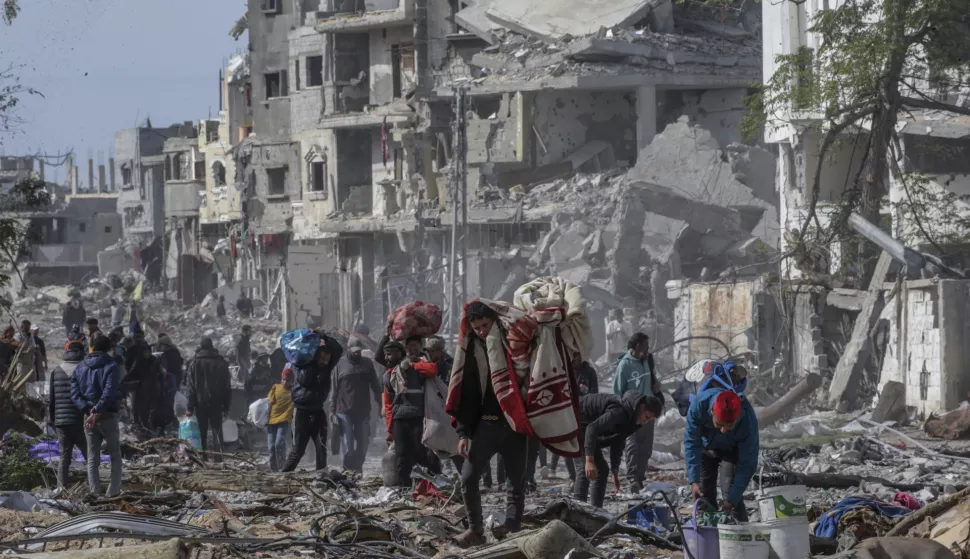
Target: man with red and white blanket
[[519, 386]]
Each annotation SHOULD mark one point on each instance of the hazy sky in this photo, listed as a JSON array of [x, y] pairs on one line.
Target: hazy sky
[[104, 65]]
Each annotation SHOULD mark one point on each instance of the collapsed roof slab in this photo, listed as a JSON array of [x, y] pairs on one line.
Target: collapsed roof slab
[[551, 21], [473, 19]]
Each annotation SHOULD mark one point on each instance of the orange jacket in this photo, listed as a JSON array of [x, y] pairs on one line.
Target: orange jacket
[[425, 369]]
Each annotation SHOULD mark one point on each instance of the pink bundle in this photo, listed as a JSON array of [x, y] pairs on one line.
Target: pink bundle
[[414, 319]]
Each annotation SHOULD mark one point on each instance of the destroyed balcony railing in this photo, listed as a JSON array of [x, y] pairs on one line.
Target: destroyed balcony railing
[[352, 16]]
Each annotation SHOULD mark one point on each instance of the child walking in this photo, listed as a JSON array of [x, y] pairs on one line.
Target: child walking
[[280, 415]]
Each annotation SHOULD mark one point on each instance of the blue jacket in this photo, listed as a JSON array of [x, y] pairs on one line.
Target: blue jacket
[[95, 383], [633, 374], [700, 435]]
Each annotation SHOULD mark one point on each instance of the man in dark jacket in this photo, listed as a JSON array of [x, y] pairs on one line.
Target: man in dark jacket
[[145, 381], [404, 404], [209, 392], [260, 379], [607, 421], [311, 388], [74, 315], [244, 349], [170, 358], [483, 432], [354, 383], [67, 419], [94, 390]]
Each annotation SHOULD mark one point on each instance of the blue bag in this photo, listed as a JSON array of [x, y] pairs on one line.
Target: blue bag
[[299, 346]]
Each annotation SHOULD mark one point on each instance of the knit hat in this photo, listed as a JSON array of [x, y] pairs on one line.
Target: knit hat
[[287, 372], [727, 407], [206, 343]]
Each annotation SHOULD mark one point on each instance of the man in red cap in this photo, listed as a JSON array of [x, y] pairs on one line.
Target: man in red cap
[[721, 439]]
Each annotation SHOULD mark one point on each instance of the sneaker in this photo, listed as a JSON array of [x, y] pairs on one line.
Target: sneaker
[[470, 538], [636, 487], [545, 472]]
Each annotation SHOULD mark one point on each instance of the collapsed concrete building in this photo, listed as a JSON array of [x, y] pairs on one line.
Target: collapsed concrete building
[[346, 178]]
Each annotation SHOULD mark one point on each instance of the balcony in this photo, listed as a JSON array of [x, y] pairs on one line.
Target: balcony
[[354, 16], [182, 198]]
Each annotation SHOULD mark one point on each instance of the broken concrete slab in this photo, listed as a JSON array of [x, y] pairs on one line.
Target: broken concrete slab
[[892, 403], [700, 216], [688, 159], [473, 19], [551, 21]]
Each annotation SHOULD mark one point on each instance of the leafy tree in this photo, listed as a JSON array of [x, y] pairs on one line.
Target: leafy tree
[[28, 195], [876, 59], [10, 10]]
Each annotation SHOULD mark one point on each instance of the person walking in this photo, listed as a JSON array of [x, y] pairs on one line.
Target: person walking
[[209, 393], [404, 404], [94, 390], [311, 388], [67, 419], [170, 357], [244, 348], [74, 315], [354, 383], [221, 307], [280, 416], [260, 379], [635, 371]]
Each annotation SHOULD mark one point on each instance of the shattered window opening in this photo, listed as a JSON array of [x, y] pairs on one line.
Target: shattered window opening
[[219, 173], [269, 7], [125, 174], [318, 176], [276, 181], [276, 85], [314, 71]]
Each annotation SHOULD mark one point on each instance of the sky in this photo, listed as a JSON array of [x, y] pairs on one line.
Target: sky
[[106, 65]]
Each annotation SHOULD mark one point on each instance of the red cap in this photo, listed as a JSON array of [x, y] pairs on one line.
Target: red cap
[[727, 407]]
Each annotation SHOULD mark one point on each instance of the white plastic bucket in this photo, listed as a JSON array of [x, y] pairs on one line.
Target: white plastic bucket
[[787, 501], [743, 541], [789, 538]]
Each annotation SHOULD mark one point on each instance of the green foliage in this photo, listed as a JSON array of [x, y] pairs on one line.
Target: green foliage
[[18, 471], [934, 214], [28, 195]]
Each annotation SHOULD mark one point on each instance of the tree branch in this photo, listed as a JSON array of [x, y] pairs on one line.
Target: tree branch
[[927, 103]]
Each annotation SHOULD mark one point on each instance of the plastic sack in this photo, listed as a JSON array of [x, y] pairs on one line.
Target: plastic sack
[[190, 433], [299, 346], [230, 431], [181, 404], [259, 413], [438, 434], [414, 319]]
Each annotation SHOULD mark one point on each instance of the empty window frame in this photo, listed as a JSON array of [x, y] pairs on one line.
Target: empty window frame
[[314, 71], [276, 84], [269, 6], [318, 176], [276, 181]]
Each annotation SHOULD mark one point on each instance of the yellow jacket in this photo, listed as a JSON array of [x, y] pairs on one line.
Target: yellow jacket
[[280, 405]]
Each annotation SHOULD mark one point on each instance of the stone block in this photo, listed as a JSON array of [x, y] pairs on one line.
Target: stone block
[[567, 247]]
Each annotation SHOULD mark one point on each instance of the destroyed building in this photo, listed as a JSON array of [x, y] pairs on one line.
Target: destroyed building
[[347, 174]]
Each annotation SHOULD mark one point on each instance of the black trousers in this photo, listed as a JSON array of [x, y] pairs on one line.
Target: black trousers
[[570, 466], [68, 437], [210, 419], [408, 449], [308, 426], [714, 465], [491, 438], [581, 483], [639, 449]]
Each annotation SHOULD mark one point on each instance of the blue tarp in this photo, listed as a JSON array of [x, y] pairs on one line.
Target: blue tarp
[[828, 523], [50, 450]]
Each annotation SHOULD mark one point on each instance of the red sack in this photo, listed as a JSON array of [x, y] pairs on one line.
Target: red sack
[[414, 319]]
